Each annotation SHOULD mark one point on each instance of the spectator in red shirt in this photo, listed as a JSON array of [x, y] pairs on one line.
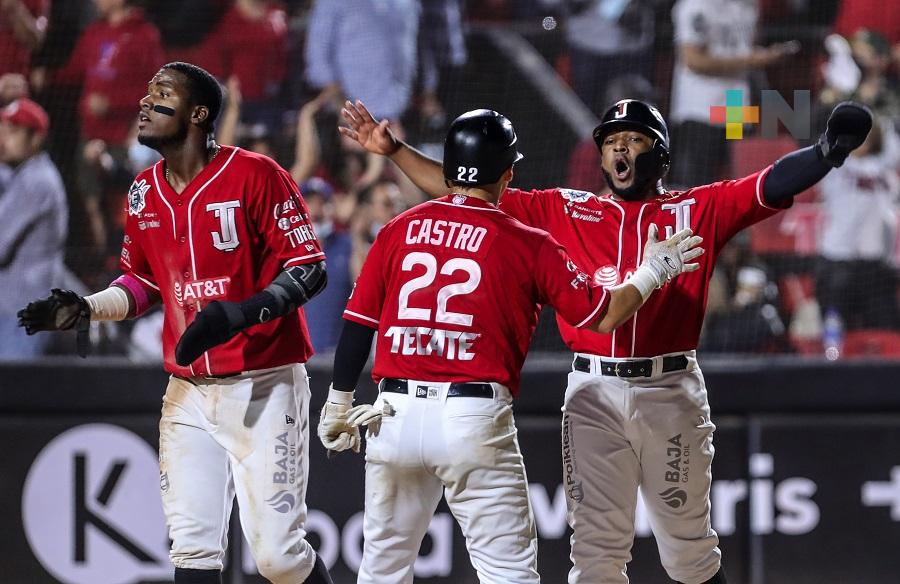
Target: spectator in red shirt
[[250, 43], [878, 15], [22, 27], [111, 62]]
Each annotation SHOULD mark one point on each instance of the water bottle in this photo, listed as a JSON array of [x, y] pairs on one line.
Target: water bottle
[[833, 334]]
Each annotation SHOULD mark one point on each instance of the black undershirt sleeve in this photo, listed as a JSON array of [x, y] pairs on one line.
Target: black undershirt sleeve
[[792, 174], [350, 357]]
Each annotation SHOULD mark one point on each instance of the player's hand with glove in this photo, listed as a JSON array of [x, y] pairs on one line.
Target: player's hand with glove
[[371, 134], [367, 415], [848, 126], [664, 260], [214, 325], [334, 430], [61, 311]]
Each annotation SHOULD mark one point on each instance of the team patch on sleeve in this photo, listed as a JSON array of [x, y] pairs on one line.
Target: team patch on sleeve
[[575, 196]]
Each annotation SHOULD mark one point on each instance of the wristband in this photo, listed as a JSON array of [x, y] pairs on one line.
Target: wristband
[[340, 397], [109, 304], [646, 280]]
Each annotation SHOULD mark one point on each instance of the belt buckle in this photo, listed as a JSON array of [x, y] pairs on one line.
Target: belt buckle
[[616, 369]]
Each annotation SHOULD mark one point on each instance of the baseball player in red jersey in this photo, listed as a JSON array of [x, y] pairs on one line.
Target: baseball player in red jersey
[[635, 413], [221, 237], [453, 288]]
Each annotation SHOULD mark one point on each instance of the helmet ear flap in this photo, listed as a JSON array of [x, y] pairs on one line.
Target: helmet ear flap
[[662, 156]]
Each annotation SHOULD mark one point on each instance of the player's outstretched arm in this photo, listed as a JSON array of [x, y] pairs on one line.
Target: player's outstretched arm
[[377, 137], [65, 310], [663, 261], [221, 320], [336, 430], [848, 126]]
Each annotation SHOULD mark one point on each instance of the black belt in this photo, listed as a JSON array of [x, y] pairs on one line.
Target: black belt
[[485, 390], [633, 367]]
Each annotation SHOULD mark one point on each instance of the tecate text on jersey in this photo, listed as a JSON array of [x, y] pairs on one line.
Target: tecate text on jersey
[[413, 340]]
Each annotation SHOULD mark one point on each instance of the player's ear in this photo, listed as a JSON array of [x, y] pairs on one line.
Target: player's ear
[[508, 175], [199, 115]]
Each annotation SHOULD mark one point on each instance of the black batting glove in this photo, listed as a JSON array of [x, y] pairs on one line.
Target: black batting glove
[[61, 311], [214, 325], [848, 126]]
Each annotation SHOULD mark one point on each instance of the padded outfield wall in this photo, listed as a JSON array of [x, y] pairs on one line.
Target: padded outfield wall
[[806, 482]]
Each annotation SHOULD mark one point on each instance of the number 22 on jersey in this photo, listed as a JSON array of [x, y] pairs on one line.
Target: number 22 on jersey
[[416, 340]]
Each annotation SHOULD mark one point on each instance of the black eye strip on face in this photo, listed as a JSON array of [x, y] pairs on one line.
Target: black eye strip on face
[[164, 110]]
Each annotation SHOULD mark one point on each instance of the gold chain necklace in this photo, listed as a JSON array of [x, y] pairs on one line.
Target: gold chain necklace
[[216, 153]]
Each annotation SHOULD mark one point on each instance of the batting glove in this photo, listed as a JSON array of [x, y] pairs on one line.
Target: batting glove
[[663, 260], [61, 311], [848, 126], [334, 430], [367, 415]]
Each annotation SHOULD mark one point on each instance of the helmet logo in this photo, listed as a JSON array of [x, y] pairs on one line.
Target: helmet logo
[[621, 109]]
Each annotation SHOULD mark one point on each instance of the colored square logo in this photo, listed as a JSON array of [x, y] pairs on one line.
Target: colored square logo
[[734, 114]]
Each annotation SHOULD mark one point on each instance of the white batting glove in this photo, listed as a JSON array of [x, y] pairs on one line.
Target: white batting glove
[[663, 260], [334, 430], [367, 415]]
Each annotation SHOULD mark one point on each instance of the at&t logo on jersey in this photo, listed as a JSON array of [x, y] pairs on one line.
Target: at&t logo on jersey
[[136, 197], [606, 276], [208, 289]]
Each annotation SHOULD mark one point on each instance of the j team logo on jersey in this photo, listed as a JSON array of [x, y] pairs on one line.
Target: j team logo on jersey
[[137, 197], [682, 212], [208, 289], [226, 239]]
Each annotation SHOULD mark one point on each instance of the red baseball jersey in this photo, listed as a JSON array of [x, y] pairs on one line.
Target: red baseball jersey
[[454, 287], [238, 224], [606, 237]]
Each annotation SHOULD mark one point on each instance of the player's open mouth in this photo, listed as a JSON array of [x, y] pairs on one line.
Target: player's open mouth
[[622, 169], [143, 119]]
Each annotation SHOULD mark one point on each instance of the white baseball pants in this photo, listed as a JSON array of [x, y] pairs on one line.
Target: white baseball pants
[[465, 448], [246, 435], [652, 433]]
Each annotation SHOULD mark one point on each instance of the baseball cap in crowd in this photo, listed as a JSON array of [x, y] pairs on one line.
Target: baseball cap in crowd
[[318, 186], [26, 113]]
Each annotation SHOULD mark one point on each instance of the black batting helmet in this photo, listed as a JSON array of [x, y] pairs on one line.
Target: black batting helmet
[[480, 146], [632, 114]]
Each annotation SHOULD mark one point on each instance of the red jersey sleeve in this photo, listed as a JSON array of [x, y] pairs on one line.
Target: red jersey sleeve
[[563, 285], [368, 295], [530, 207], [133, 259], [281, 218], [739, 204]]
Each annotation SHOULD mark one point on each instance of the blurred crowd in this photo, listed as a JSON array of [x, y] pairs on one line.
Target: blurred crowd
[[822, 276]]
